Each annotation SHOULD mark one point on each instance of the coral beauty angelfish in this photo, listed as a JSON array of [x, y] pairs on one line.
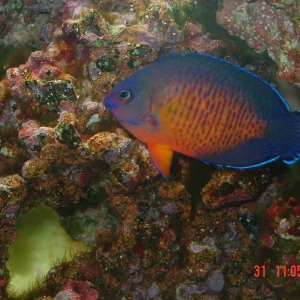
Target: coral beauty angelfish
[[206, 108]]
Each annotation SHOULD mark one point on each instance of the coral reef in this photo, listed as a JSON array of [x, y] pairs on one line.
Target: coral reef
[[267, 25], [197, 236]]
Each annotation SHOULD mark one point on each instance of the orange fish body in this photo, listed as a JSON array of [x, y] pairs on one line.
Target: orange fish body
[[206, 108]]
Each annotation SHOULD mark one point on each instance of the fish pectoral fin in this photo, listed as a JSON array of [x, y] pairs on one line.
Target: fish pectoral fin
[[162, 156]]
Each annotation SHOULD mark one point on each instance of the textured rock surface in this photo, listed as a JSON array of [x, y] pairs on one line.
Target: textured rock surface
[[267, 25]]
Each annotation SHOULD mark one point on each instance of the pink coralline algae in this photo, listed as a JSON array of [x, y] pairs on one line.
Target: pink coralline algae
[[89, 269], [267, 25], [280, 240], [284, 216], [21, 24], [77, 290], [168, 234], [280, 208], [196, 39], [267, 240]]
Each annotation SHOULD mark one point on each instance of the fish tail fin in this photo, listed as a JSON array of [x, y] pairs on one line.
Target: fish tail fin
[[285, 137]]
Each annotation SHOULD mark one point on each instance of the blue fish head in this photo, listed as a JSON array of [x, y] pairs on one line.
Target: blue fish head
[[129, 100], [109, 104]]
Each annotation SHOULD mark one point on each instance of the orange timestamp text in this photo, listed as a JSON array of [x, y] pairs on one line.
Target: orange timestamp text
[[291, 271]]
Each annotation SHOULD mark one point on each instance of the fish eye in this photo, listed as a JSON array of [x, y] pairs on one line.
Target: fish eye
[[125, 95]]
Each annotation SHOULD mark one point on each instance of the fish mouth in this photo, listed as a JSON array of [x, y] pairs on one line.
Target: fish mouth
[[109, 105]]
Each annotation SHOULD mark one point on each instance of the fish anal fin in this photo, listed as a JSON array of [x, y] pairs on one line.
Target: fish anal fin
[[162, 156]]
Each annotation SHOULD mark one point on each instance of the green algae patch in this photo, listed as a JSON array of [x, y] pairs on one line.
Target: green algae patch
[[40, 244]]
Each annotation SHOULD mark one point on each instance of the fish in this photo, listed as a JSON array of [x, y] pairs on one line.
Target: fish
[[208, 108]]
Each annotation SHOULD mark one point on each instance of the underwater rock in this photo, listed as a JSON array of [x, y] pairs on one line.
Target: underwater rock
[[90, 226], [108, 146], [267, 25], [234, 187], [195, 38], [26, 21], [32, 24], [77, 290], [12, 189], [284, 218], [34, 137], [115, 149], [41, 65], [106, 64], [65, 130], [216, 281], [90, 269], [172, 190], [34, 168], [53, 92]]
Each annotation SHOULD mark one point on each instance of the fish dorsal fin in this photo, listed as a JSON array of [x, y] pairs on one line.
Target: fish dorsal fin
[[162, 156], [173, 53]]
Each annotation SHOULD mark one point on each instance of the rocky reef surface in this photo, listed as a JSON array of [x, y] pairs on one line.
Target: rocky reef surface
[[271, 25], [199, 235]]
